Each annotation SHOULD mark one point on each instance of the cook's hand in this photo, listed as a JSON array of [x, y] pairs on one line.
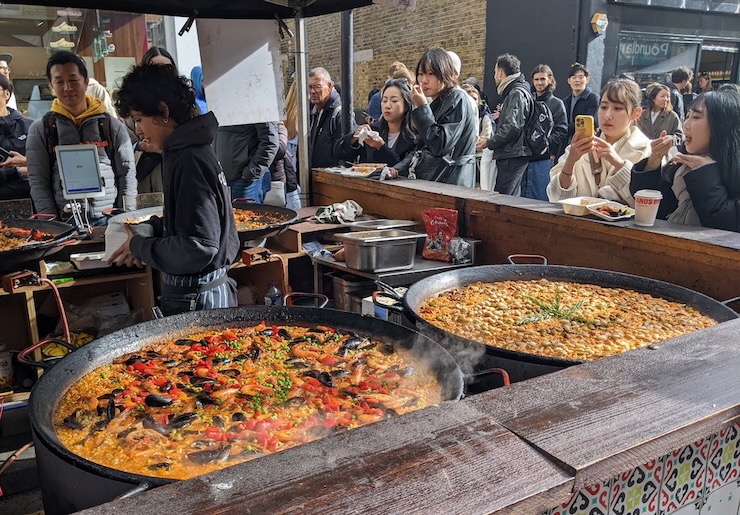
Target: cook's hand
[[604, 150], [418, 98], [693, 162], [123, 256], [374, 141], [146, 146], [659, 147], [16, 159]]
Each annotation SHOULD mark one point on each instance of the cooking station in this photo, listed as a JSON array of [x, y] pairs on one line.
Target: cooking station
[[581, 439]]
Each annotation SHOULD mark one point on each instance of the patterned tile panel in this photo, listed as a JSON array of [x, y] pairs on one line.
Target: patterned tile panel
[[702, 478], [684, 474]]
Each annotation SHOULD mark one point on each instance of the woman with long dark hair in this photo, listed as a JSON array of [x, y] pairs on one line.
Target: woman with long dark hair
[[196, 240], [700, 184], [448, 127], [158, 55], [395, 135]]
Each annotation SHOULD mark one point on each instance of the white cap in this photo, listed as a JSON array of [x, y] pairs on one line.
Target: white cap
[[456, 62]]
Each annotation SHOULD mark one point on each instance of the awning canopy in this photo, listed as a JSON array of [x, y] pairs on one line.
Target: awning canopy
[[225, 9]]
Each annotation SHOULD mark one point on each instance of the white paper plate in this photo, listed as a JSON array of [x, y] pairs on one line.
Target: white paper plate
[[593, 209]]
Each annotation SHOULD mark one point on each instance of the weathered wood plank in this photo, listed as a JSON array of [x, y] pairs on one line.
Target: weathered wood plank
[[609, 416], [447, 458]]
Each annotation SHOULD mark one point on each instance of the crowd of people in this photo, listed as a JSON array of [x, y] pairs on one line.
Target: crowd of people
[[424, 124]]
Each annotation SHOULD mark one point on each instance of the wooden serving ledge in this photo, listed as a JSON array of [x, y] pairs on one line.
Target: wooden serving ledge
[[526, 448]]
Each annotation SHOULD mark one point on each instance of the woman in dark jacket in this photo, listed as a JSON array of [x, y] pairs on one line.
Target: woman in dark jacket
[[701, 184], [196, 240], [13, 133], [395, 136], [448, 127]]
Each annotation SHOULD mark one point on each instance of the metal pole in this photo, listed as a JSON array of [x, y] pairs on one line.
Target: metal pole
[[301, 77], [347, 36]]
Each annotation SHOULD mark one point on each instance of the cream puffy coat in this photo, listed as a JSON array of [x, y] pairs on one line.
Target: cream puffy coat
[[633, 148]]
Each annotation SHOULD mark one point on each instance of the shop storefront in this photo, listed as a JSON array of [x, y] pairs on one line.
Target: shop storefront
[[110, 42], [649, 38]]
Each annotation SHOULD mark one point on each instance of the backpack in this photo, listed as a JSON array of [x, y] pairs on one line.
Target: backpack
[[52, 136], [538, 129]]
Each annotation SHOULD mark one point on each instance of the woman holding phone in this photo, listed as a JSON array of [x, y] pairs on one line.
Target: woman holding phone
[[701, 182], [600, 166]]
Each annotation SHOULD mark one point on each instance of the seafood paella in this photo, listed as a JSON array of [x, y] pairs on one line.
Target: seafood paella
[[184, 407], [12, 238]]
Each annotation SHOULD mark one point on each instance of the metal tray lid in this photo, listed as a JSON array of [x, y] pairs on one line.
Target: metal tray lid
[[394, 235]]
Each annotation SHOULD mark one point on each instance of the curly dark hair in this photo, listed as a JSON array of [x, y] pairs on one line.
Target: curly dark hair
[[146, 87]]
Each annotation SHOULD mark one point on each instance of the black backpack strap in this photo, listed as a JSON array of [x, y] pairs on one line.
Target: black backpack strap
[[104, 129], [51, 133]]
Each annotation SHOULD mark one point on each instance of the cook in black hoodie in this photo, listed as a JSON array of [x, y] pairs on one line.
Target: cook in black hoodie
[[196, 241]]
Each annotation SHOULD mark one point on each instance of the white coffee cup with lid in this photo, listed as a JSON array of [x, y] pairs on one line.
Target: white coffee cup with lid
[[646, 207]]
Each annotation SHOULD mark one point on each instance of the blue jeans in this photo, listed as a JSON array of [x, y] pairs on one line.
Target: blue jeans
[[255, 190], [536, 179]]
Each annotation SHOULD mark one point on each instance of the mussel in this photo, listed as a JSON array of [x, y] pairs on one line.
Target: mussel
[[185, 342], [266, 332], [170, 363], [339, 373], [157, 466], [133, 359], [295, 402], [202, 399], [149, 423], [238, 416], [73, 421], [181, 421], [157, 401], [297, 363], [294, 341], [255, 354], [218, 422], [210, 455], [221, 361], [326, 379], [283, 333], [232, 372], [166, 387], [200, 381], [110, 410]]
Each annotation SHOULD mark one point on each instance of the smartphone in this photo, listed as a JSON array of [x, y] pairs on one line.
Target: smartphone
[[4, 155], [585, 125]]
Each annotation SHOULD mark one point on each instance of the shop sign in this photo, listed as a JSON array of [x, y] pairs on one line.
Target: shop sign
[[637, 53]]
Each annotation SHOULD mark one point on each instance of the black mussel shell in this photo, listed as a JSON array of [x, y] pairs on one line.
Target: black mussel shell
[[185, 342], [295, 402], [157, 401], [133, 359], [218, 421], [283, 333], [210, 455], [326, 379], [339, 373], [181, 421], [238, 417], [297, 363], [158, 466]]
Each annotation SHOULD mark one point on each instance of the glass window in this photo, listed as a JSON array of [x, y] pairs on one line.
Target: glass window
[[724, 6], [651, 60]]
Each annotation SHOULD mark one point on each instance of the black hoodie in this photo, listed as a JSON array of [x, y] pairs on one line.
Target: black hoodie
[[13, 134], [197, 234]]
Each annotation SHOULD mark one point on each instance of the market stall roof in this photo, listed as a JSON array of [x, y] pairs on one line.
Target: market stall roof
[[227, 9]]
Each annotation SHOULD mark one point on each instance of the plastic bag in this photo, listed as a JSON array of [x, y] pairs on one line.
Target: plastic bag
[[441, 226]]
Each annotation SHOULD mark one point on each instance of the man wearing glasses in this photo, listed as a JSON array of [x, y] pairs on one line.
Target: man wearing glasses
[[326, 119], [5, 71]]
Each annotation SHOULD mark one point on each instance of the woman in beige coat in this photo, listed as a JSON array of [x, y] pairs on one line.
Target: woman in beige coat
[[600, 166], [660, 117]]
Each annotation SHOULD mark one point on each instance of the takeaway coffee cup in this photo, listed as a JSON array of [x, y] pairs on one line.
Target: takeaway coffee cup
[[646, 207]]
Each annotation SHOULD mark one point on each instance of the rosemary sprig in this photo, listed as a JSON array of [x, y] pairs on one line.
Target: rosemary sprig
[[554, 310]]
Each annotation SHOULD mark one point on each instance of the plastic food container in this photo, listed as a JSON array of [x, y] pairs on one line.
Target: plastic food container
[[380, 251], [89, 260], [578, 205], [381, 224]]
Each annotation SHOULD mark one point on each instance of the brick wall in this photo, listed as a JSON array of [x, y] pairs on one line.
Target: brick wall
[[397, 35]]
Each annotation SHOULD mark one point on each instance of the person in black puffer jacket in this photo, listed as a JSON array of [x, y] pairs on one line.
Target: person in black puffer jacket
[[13, 134], [509, 148], [196, 240]]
